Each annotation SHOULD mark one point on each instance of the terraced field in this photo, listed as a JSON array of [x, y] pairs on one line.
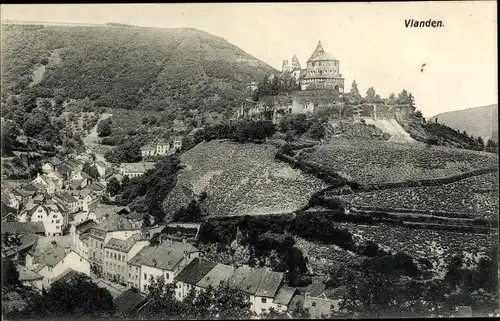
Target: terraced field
[[437, 246], [376, 162], [240, 179], [476, 196]]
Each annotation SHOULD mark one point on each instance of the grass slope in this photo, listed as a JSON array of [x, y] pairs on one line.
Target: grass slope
[[375, 162], [240, 179], [146, 68]]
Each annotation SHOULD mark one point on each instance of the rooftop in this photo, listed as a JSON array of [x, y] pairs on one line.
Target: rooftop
[[22, 227], [165, 256], [27, 275], [50, 257], [85, 226], [284, 295], [259, 282], [195, 271], [66, 197], [148, 148], [129, 300], [67, 275], [115, 223], [124, 245], [137, 167], [218, 275]]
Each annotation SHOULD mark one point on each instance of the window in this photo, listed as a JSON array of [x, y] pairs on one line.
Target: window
[[107, 254], [144, 287], [119, 257], [145, 276], [52, 221], [319, 63], [58, 227], [80, 259], [54, 216], [57, 221], [39, 210], [264, 300], [314, 64], [168, 276], [313, 304], [136, 269]]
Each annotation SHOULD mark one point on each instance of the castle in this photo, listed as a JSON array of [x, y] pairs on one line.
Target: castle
[[322, 71]]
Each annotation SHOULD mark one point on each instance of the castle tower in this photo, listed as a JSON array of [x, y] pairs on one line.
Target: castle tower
[[285, 67], [295, 63]]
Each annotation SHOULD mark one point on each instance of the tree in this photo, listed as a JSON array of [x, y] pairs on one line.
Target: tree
[[113, 186], [480, 142], [191, 213], [411, 101], [370, 95], [354, 93], [299, 312], [403, 98], [491, 146], [317, 130], [392, 99], [76, 296], [91, 170], [104, 128], [10, 275]]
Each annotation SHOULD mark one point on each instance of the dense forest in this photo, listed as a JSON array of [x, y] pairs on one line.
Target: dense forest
[[131, 68]]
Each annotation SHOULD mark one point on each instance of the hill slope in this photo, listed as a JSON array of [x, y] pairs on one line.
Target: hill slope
[[240, 179], [130, 67], [478, 121]]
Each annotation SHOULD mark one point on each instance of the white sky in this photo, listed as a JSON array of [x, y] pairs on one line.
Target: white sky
[[369, 39]]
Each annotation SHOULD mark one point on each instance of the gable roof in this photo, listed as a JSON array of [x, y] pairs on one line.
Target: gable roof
[[165, 256], [254, 281], [63, 168], [23, 192], [195, 271], [27, 242], [269, 284], [114, 223], [22, 227], [220, 274], [66, 197], [97, 187], [284, 295], [124, 245], [129, 300], [27, 275], [54, 161], [51, 257], [85, 226], [148, 148]]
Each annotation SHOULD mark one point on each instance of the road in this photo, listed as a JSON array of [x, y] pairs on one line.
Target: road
[[91, 141]]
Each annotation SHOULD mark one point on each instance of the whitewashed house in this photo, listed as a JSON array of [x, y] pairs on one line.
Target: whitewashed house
[[166, 259], [52, 215]]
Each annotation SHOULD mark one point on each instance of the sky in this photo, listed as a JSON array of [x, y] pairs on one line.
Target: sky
[[369, 39]]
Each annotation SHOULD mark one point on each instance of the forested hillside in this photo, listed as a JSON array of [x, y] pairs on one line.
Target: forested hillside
[[130, 67]]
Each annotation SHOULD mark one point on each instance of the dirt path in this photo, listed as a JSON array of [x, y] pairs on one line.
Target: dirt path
[[91, 141]]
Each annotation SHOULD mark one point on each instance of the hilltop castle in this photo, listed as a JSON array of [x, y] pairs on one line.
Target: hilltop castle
[[322, 71]]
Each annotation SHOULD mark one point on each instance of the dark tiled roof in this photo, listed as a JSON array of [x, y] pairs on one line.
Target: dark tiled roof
[[114, 223], [54, 161], [22, 227], [62, 168], [85, 226], [129, 300], [165, 256], [284, 295], [195, 271], [67, 275]]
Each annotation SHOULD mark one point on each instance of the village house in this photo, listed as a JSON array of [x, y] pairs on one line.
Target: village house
[[23, 195], [114, 227], [9, 214], [129, 301], [217, 276], [177, 142], [9, 199], [187, 279], [261, 286], [283, 298], [84, 157], [29, 278], [80, 234], [135, 169], [54, 261], [166, 259], [68, 201], [118, 253], [162, 147], [51, 164], [64, 170], [50, 184], [53, 216], [148, 150], [101, 168]]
